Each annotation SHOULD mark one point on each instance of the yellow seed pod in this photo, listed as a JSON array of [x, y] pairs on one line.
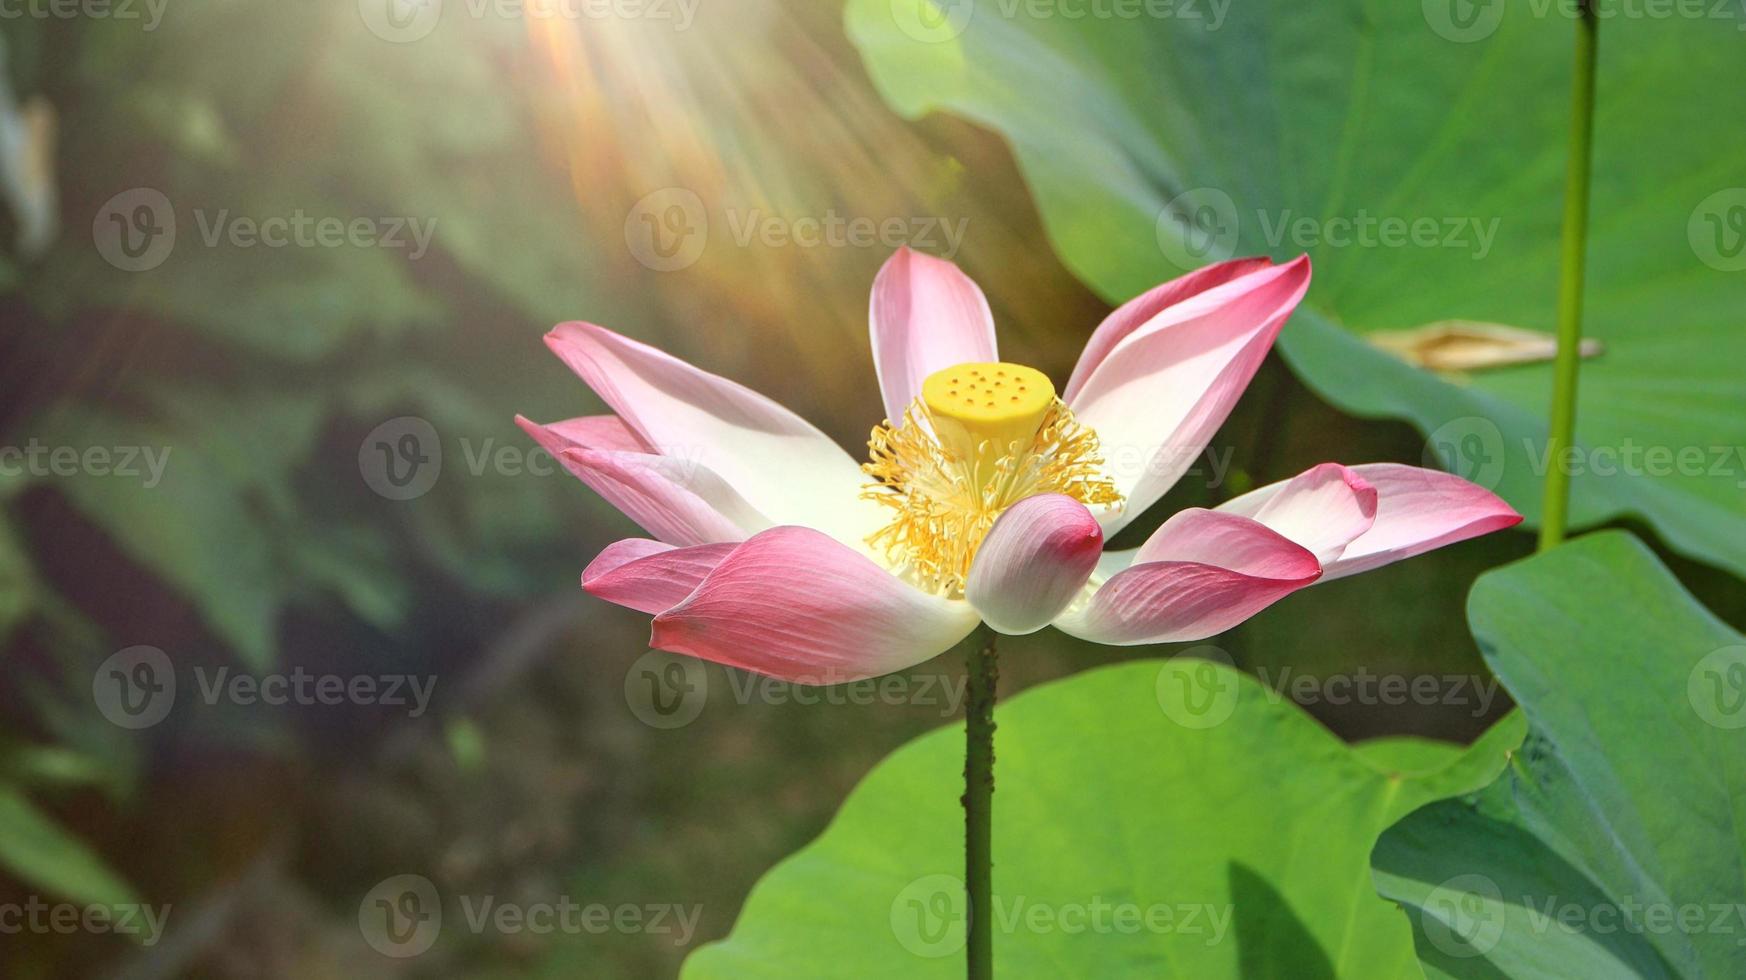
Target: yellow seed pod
[[980, 410]]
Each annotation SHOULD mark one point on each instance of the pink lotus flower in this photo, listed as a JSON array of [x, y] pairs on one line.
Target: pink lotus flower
[[987, 498]]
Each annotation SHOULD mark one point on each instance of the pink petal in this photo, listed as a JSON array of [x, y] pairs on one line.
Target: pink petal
[[925, 316], [777, 461], [1034, 560], [591, 432], [1200, 574], [1140, 310], [1173, 602], [1416, 510], [1162, 391], [1231, 541], [795, 604], [678, 501], [650, 576], [620, 553], [1324, 509]]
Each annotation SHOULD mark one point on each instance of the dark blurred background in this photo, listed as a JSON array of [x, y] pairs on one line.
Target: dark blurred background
[[462, 182]]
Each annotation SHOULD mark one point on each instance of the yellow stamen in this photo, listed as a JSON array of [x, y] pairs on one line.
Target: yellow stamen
[[961, 455]]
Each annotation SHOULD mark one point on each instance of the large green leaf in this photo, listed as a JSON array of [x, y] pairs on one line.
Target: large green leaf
[[1613, 846], [1125, 796], [1251, 117]]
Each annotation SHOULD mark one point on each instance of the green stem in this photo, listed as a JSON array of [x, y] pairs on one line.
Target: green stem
[[1555, 509], [978, 801]]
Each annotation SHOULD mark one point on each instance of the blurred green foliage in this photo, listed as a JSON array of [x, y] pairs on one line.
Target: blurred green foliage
[[244, 368], [240, 362]]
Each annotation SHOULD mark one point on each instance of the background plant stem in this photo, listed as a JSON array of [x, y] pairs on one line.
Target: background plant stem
[[1555, 510], [983, 673]]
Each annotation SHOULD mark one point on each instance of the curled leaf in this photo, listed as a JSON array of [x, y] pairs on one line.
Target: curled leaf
[[1454, 346]]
